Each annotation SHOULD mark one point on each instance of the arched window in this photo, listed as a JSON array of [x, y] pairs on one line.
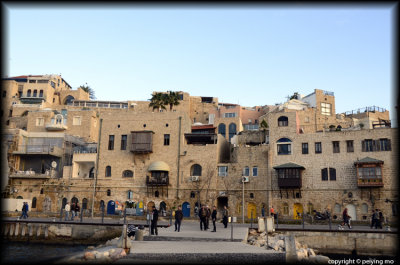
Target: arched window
[[108, 192], [28, 94], [232, 130], [192, 194], [84, 203], [19, 197], [108, 171], [127, 174], [35, 93], [284, 146], [283, 121], [337, 208], [68, 100], [64, 202], [41, 191], [59, 119], [41, 93], [33, 202], [222, 129], [195, 170], [364, 208], [156, 194]]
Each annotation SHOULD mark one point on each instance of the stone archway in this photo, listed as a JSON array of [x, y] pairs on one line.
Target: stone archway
[[351, 210]]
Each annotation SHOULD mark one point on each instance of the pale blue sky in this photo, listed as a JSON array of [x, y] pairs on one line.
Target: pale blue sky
[[251, 55]]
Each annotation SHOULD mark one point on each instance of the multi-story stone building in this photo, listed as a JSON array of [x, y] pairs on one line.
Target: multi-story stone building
[[297, 156]]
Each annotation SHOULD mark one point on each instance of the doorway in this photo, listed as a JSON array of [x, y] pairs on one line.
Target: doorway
[[351, 210], [251, 210], [297, 210], [186, 209]]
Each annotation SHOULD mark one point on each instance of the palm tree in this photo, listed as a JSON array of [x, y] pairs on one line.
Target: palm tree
[[172, 99], [89, 90], [157, 101]]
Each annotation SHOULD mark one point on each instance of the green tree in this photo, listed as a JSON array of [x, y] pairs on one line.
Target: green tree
[[172, 99], [295, 96], [157, 101], [89, 90]]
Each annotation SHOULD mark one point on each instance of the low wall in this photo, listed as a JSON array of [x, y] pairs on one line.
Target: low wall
[[349, 242]]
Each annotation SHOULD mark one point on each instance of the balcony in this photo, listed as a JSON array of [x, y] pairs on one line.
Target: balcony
[[31, 100], [370, 183], [56, 127], [39, 150], [142, 142], [151, 181], [289, 183], [29, 174]]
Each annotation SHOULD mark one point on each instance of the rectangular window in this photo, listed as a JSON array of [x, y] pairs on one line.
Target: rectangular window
[[111, 142], [40, 122], [222, 171], [369, 172], [332, 173], [326, 109], [304, 148], [230, 115], [318, 148], [350, 146], [53, 85], [32, 81], [166, 139], [336, 146], [367, 145], [76, 120], [246, 171], [124, 139], [255, 171], [324, 174], [385, 144], [284, 149]]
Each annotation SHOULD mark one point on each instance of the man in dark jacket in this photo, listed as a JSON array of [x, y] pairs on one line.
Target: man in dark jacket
[[214, 218], [154, 219], [203, 216], [178, 219]]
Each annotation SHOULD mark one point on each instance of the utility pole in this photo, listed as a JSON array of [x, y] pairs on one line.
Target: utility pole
[[179, 158], [97, 167], [243, 200]]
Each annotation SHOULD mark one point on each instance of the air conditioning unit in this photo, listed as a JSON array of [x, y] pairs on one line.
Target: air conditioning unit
[[194, 178], [245, 179]]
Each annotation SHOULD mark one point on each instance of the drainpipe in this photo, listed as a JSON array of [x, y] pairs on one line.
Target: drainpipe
[[97, 166], [179, 157]]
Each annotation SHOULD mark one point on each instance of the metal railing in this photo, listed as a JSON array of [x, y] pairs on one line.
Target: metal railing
[[365, 109]]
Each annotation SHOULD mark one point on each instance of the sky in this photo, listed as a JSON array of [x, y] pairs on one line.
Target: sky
[[243, 54]]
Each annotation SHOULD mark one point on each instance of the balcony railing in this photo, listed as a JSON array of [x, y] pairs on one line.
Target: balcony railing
[[39, 149], [150, 181], [372, 182], [30, 174], [84, 150], [56, 127], [289, 182]]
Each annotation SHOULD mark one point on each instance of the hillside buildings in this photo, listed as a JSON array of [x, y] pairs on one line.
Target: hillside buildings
[[298, 156]]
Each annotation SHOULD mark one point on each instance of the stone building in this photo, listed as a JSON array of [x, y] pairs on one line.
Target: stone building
[[299, 156]]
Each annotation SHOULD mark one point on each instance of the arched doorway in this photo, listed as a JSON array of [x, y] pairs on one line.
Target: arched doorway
[[74, 200], [34, 202], [111, 207], [221, 202], [351, 210], [251, 210], [186, 209], [297, 210], [68, 100], [139, 209], [163, 208], [64, 202]]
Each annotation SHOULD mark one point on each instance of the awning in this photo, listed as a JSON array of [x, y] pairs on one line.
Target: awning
[[288, 165], [368, 160], [158, 166]]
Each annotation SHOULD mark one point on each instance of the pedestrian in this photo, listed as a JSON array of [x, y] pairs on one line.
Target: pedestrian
[[178, 219], [272, 211], [374, 217], [154, 219], [77, 209], [225, 214], [214, 218], [67, 209], [73, 211], [23, 214], [208, 217], [263, 211], [380, 220], [26, 210], [346, 219], [203, 216]]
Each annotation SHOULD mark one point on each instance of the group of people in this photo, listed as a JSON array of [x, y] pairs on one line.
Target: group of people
[[205, 214], [377, 219], [73, 209]]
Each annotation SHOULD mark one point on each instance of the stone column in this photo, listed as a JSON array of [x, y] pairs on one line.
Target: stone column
[[46, 231], [30, 229], [23, 230], [6, 229], [16, 229], [39, 230], [11, 229]]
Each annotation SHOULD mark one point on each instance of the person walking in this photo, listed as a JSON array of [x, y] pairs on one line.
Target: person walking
[[178, 219], [73, 208], [225, 214], [374, 217], [67, 209], [77, 209], [208, 217], [23, 214], [154, 219], [263, 211], [203, 216], [346, 219], [214, 218], [380, 220]]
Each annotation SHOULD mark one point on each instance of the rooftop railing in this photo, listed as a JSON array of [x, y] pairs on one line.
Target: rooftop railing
[[365, 109]]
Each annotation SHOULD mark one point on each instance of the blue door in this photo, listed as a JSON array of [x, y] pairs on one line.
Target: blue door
[[111, 207], [186, 209]]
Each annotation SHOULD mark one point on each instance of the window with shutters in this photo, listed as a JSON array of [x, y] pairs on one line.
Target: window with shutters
[[124, 139], [142, 142], [111, 142], [367, 145], [195, 170], [385, 144], [350, 146], [283, 121], [318, 147], [328, 173], [127, 174], [108, 171], [304, 148], [166, 139], [255, 171], [336, 146]]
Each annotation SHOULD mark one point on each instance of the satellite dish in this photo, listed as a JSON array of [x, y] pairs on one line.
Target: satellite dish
[[54, 164]]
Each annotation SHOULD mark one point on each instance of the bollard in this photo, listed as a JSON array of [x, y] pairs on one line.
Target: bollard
[[81, 214], [139, 235]]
